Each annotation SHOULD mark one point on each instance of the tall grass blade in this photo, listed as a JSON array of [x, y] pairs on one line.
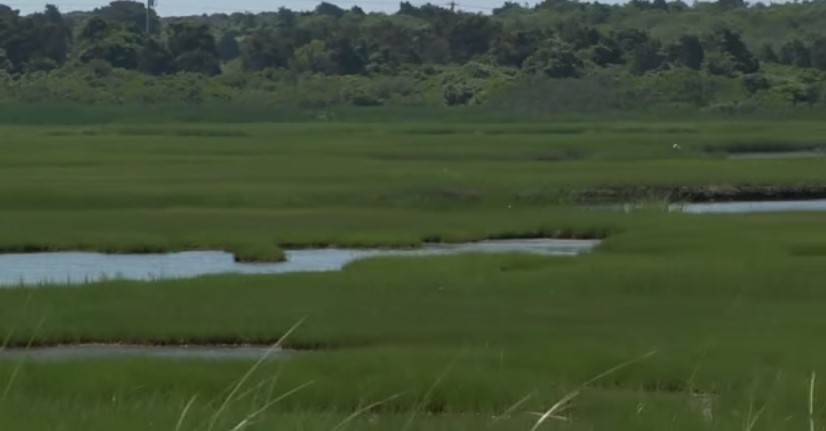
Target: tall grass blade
[[248, 420], [184, 412], [364, 409], [559, 405], [512, 408], [430, 390], [752, 417], [19, 363], [812, 402], [231, 396]]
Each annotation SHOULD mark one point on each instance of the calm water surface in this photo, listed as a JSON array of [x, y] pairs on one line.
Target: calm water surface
[[31, 269], [751, 207]]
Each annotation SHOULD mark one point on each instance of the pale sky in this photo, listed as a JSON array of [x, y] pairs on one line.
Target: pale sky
[[197, 7]]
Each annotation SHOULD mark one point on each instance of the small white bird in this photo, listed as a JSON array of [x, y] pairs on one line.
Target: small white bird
[[676, 146]]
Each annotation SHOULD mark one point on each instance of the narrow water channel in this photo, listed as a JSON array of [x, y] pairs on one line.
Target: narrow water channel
[[750, 207], [33, 269]]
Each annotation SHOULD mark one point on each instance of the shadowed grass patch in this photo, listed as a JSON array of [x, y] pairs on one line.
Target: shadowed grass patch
[[435, 196], [764, 145], [183, 132], [150, 132]]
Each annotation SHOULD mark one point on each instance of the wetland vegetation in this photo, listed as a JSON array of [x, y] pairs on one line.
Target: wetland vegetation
[[730, 304], [260, 134]]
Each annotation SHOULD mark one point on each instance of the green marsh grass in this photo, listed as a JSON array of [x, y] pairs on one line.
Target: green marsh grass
[[767, 145], [723, 300], [733, 304], [253, 187]]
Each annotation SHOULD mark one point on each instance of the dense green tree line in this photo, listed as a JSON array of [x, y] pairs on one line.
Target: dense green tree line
[[557, 40]]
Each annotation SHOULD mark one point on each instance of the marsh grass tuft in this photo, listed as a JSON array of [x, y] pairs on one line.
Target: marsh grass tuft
[[764, 145], [182, 132]]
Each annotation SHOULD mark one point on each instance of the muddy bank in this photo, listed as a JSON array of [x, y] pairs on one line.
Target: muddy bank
[[198, 348], [90, 351], [702, 194], [20, 343], [757, 155]]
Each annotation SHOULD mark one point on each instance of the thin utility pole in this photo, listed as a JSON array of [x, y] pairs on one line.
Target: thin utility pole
[[149, 5]]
